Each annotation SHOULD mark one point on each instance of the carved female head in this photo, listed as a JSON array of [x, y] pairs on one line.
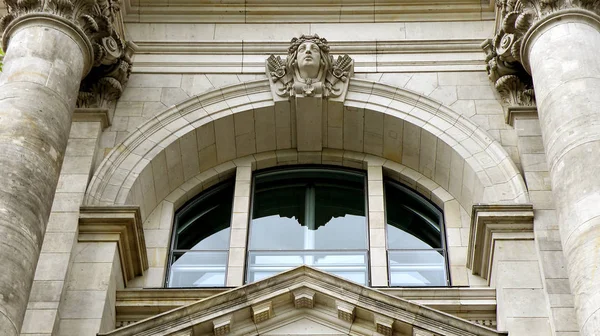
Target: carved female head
[[309, 54]]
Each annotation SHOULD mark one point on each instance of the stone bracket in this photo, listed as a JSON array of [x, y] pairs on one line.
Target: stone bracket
[[262, 312], [222, 325], [494, 222], [520, 112], [384, 325], [91, 115], [120, 224], [304, 298], [346, 312]]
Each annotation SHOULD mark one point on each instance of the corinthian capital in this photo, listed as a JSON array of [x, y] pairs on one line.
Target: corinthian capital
[[96, 18], [100, 22], [517, 17]]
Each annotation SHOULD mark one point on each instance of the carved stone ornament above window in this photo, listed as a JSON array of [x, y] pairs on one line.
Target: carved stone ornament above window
[[308, 81], [99, 21], [309, 70]]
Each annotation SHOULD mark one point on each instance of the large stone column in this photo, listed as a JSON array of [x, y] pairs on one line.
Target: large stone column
[[557, 42], [561, 51], [50, 46], [44, 63]]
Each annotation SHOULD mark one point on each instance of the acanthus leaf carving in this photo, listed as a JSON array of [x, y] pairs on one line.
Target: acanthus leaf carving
[[514, 91], [105, 83]]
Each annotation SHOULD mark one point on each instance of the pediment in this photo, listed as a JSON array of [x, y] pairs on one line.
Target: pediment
[[304, 301]]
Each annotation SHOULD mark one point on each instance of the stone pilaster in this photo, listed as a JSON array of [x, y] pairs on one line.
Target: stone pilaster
[[50, 46], [556, 42]]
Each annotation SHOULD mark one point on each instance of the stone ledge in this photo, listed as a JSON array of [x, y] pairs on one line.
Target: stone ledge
[[494, 222], [520, 112], [275, 11], [120, 224], [224, 56], [92, 115]]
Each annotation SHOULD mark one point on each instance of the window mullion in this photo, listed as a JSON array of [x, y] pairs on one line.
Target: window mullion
[[377, 232], [309, 229]]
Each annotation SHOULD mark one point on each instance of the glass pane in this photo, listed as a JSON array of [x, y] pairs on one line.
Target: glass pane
[[417, 268], [277, 218], [411, 224], [340, 217], [351, 265], [204, 223], [198, 269]]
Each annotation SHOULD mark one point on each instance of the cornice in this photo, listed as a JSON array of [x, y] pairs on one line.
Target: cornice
[[308, 292], [138, 304], [473, 304], [119, 224], [249, 56], [491, 222], [336, 11]]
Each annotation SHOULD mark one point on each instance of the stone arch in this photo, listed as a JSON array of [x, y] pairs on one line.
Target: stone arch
[[240, 120]]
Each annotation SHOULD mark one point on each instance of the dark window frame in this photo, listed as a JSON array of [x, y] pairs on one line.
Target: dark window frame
[[172, 251], [420, 199]]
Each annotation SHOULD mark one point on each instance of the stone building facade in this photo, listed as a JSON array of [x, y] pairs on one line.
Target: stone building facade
[[116, 116]]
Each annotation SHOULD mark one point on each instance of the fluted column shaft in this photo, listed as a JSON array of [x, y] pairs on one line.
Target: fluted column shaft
[[44, 63], [561, 51]]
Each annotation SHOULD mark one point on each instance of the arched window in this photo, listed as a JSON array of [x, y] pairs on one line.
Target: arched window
[[200, 244], [309, 216], [415, 239], [316, 216]]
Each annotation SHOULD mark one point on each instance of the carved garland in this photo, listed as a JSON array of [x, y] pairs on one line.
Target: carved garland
[[96, 18]]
